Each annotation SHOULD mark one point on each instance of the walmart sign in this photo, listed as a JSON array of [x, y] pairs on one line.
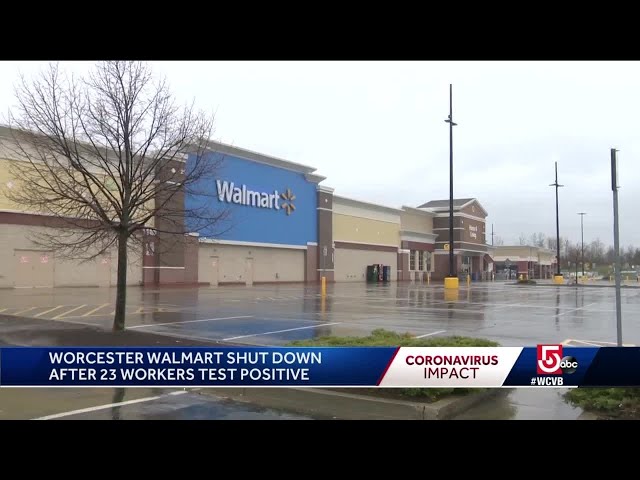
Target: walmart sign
[[239, 194]]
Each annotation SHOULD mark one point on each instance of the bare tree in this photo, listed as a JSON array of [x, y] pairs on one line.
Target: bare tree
[[537, 239], [552, 243], [111, 157], [597, 251], [610, 255], [522, 240], [498, 241], [565, 249]]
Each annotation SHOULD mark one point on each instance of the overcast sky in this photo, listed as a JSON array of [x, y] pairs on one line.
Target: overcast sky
[[376, 130]]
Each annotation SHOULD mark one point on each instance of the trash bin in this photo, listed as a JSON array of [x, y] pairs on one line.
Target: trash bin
[[372, 275], [385, 273]]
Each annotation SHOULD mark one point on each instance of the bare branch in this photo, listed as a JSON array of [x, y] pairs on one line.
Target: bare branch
[[109, 157]]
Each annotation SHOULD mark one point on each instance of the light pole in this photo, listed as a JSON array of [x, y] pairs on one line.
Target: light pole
[[616, 241], [557, 185], [451, 125], [582, 214]]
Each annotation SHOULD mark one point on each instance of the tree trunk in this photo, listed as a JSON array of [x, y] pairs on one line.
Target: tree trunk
[[121, 288]]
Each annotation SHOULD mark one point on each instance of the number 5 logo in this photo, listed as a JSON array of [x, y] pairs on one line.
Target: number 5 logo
[[549, 358]]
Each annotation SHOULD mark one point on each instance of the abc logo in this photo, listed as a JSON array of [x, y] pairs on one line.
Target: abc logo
[[551, 361], [568, 365]]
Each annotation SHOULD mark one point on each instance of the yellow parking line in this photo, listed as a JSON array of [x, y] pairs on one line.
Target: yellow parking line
[[48, 311], [57, 317], [94, 310], [23, 311], [3, 310]]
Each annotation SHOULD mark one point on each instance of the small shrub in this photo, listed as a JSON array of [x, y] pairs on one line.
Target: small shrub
[[612, 402], [385, 338]]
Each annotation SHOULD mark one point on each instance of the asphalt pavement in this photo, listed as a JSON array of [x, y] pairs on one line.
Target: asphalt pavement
[[513, 315]]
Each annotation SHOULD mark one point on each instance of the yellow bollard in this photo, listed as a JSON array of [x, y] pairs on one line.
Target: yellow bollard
[[429, 278], [324, 286], [468, 280]]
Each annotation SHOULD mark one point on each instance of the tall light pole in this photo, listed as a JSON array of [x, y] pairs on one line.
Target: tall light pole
[[451, 125], [492, 234], [616, 241], [557, 185], [582, 214]]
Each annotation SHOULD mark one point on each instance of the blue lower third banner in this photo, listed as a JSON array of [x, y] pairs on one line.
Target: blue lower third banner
[[549, 365]]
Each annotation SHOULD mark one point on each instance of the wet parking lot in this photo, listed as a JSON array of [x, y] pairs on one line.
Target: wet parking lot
[[513, 315]]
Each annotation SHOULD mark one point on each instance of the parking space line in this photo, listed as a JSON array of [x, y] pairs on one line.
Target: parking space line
[[597, 343], [75, 322], [48, 311], [586, 343], [24, 311], [280, 331], [188, 321], [57, 317], [109, 405], [575, 309], [429, 334], [3, 309], [94, 310]]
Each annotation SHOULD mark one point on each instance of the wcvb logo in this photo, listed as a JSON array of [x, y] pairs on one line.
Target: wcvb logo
[[551, 361]]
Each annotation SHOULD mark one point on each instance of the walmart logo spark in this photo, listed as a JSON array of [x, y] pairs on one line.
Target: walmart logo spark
[[288, 198]]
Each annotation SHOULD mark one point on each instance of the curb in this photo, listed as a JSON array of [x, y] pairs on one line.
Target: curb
[[324, 403], [572, 285]]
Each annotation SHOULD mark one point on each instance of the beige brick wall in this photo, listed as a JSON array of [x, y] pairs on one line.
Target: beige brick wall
[[230, 263], [66, 272], [415, 222], [351, 264]]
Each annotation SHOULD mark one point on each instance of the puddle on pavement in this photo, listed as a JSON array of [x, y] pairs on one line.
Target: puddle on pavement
[[524, 404]]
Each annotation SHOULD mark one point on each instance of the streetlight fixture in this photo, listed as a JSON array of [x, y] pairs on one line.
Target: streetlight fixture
[[582, 214], [452, 280], [558, 276]]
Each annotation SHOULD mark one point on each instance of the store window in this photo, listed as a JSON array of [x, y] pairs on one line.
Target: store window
[[420, 260], [412, 260]]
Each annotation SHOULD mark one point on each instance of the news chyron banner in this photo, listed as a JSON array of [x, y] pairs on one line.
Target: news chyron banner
[[383, 367]]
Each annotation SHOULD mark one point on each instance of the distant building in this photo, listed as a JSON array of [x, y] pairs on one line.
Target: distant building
[[533, 262], [472, 255]]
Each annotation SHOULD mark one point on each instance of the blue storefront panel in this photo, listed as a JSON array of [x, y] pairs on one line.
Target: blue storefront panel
[[263, 203]]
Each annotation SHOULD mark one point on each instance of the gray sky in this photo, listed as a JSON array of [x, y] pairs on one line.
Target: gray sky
[[377, 131]]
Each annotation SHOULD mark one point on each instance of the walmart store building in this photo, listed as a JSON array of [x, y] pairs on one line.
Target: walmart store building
[[280, 225]]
